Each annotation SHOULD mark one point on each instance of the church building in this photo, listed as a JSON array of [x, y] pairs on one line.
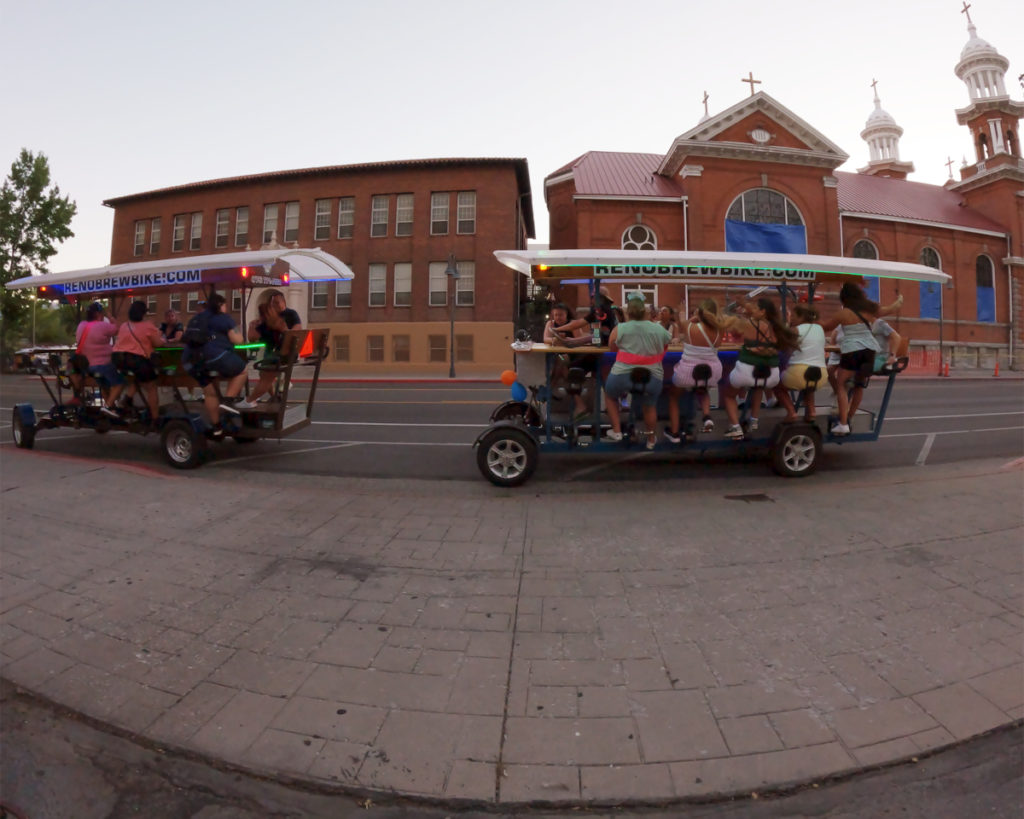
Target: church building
[[759, 177]]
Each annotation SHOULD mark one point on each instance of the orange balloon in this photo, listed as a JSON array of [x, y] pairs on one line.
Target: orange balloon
[[508, 378]]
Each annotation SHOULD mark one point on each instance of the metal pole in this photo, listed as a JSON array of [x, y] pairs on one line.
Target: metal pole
[[34, 300], [452, 271]]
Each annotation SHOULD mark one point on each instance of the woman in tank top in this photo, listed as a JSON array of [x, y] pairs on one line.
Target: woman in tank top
[[700, 340]]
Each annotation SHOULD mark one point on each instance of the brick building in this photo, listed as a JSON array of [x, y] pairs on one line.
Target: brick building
[[394, 223], [758, 177]]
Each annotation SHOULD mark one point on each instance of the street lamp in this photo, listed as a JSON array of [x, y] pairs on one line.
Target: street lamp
[[34, 298], [453, 271]]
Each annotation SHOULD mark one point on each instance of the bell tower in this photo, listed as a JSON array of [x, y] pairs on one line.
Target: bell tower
[[992, 117], [882, 135]]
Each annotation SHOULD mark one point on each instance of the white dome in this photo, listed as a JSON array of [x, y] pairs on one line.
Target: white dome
[[879, 117], [976, 47]]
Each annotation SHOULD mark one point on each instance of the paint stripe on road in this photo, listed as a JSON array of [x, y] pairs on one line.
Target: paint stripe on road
[[922, 456]]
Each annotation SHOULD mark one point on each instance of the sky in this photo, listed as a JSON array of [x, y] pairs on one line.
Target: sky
[[125, 96]]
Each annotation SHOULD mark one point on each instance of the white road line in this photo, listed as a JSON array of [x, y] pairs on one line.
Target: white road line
[[922, 456], [948, 432], [969, 415], [224, 461]]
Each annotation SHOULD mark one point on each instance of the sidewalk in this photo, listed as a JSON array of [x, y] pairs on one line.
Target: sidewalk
[[456, 642]]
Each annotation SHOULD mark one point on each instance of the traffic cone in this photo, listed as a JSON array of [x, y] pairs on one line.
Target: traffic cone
[[996, 373], [945, 371]]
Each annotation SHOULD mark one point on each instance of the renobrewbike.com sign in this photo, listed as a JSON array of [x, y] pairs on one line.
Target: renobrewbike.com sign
[[130, 281], [709, 272]]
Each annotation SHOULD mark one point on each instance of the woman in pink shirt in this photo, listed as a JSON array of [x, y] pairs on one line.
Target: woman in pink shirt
[[93, 341], [136, 340]]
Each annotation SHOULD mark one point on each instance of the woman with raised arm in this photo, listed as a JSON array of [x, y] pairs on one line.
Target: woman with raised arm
[[857, 348], [764, 335]]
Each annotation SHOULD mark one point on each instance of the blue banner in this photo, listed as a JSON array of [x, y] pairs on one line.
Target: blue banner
[[931, 300], [753, 237], [986, 304]]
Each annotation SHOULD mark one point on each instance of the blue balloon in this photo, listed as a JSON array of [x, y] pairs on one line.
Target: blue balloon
[[518, 392]]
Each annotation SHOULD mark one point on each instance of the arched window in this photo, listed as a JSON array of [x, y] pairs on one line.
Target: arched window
[[639, 237], [931, 292], [982, 147], [764, 220], [1011, 144], [764, 207], [864, 249], [984, 277]]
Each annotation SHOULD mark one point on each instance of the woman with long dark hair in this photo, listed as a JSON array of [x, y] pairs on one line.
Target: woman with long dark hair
[[764, 335], [857, 348]]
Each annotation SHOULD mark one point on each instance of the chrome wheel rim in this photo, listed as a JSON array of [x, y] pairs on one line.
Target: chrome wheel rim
[[798, 453], [507, 458], [179, 446]]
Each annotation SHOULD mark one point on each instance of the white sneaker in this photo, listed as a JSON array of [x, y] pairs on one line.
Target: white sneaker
[[612, 435], [841, 429], [752, 424], [709, 425], [735, 431], [246, 405]]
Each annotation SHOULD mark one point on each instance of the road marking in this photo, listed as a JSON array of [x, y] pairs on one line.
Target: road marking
[[968, 415], [393, 424], [948, 432], [922, 456], [222, 461]]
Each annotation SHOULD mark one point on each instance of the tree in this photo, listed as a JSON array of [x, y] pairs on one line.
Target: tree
[[34, 218]]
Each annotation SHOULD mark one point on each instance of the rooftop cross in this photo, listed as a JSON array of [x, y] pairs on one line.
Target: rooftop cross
[[752, 81], [949, 166], [966, 10], [706, 103]]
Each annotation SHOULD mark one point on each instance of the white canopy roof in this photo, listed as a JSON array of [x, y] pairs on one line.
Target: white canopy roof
[[709, 266], [305, 265]]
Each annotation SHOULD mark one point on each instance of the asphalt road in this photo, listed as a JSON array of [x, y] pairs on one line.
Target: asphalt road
[[425, 430]]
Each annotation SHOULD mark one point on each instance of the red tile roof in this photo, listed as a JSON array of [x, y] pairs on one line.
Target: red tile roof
[[902, 199]]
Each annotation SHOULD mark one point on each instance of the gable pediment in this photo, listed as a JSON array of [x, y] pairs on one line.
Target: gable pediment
[[756, 129]]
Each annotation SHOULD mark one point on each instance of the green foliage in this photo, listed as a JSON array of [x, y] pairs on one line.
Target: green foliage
[[34, 218]]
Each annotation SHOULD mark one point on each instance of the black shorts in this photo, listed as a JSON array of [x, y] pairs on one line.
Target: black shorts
[[227, 365], [861, 363], [132, 363]]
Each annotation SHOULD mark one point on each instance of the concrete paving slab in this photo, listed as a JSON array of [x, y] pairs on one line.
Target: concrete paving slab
[[504, 647]]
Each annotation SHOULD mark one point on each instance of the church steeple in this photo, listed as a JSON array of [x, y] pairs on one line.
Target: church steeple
[[992, 117], [882, 135]]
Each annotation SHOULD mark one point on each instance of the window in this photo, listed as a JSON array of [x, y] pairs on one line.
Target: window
[[154, 236], [864, 249], [984, 277], [269, 223], [241, 226], [403, 284], [466, 212], [176, 302], [378, 283], [178, 240], [150, 304], [140, 237], [439, 214], [438, 346], [400, 348], [648, 292], [375, 348], [223, 228], [341, 349], [193, 301], [463, 348], [930, 292], [196, 236], [766, 207], [346, 216], [343, 294], [291, 222], [465, 285], [322, 225], [379, 216], [403, 215], [318, 295], [236, 301], [639, 237], [438, 284]]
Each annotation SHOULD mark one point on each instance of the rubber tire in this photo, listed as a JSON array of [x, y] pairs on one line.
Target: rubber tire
[[507, 456], [24, 437], [518, 412], [183, 447], [796, 452]]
